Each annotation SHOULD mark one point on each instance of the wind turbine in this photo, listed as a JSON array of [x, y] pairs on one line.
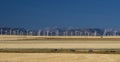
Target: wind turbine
[[80, 33], [10, 31], [95, 33], [66, 33], [39, 33], [44, 33], [6, 32], [21, 33], [57, 33], [27, 32], [105, 31], [115, 33], [47, 32], [50, 33], [71, 33], [14, 32], [17, 32], [31, 33], [86, 33], [76, 33]]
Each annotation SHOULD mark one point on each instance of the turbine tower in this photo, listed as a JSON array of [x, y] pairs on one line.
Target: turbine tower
[[66, 33], [50, 33], [10, 31], [27, 32], [76, 33], [17, 32], [47, 32], [105, 31], [31, 33], [95, 33], [71, 33], [6, 32], [80, 33], [39, 33], [57, 33], [21, 33], [115, 33], [87, 33], [14, 32]]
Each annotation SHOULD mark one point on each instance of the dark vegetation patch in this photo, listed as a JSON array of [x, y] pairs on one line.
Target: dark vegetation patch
[[98, 51]]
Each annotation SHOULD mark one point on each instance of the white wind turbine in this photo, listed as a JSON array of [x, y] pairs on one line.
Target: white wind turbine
[[27, 32], [115, 33], [14, 32], [10, 31], [44, 33], [51, 33], [66, 33], [105, 31], [76, 33], [17, 32], [71, 33], [57, 32], [6, 32], [47, 32], [87, 33], [31, 33], [39, 33], [80, 33], [95, 33], [21, 33]]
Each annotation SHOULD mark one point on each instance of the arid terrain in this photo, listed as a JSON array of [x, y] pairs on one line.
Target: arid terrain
[[59, 44], [58, 57]]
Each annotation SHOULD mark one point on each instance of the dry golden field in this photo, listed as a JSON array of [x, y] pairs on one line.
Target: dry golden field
[[59, 44], [58, 57], [19, 37], [63, 42]]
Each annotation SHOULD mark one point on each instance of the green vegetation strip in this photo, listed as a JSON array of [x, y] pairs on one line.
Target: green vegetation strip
[[90, 50]]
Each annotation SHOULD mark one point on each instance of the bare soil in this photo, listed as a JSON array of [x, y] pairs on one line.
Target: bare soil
[[58, 57]]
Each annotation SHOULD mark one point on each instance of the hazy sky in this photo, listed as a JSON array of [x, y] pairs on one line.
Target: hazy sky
[[34, 14]]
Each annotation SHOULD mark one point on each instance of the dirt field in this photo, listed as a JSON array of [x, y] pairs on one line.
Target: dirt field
[[93, 38], [59, 44], [58, 57]]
